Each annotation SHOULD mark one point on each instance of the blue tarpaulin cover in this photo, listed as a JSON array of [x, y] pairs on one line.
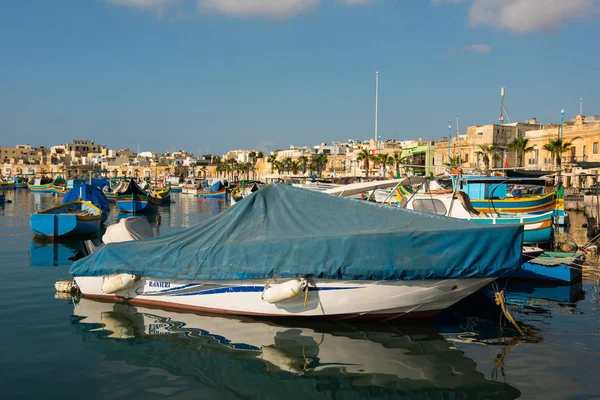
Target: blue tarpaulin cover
[[88, 193], [218, 185], [282, 231], [100, 183]]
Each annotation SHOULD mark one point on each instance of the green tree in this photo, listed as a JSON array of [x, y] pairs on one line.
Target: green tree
[[319, 161], [557, 147], [260, 155], [303, 161], [488, 153], [252, 156], [454, 161], [271, 160], [519, 146], [399, 161], [365, 156]]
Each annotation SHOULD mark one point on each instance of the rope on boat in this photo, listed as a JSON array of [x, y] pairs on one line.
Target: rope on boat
[[501, 301]]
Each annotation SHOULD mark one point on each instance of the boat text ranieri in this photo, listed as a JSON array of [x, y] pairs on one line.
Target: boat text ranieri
[[284, 251]]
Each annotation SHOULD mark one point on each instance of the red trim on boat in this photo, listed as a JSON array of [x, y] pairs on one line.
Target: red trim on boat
[[207, 310]]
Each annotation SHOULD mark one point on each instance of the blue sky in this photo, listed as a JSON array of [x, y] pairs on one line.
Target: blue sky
[[213, 75]]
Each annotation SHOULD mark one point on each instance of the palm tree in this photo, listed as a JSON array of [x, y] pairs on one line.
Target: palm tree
[[384, 160], [365, 156], [277, 165], [519, 146], [488, 153], [260, 155], [454, 161], [557, 147], [286, 164], [302, 161], [271, 160], [216, 160], [252, 156], [320, 161], [124, 173], [399, 160]]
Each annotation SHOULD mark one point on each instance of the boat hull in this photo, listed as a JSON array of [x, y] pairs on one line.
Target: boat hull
[[7, 185], [537, 228], [48, 188], [213, 195], [135, 206], [326, 298], [552, 267], [516, 205], [56, 222]]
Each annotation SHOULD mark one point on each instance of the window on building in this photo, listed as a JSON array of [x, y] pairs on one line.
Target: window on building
[[595, 148], [431, 206], [466, 158]]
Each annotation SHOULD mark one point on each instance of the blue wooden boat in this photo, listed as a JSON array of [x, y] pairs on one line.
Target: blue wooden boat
[[89, 193], [561, 268], [75, 218], [42, 185], [60, 185], [538, 294], [490, 194], [217, 190], [132, 199]]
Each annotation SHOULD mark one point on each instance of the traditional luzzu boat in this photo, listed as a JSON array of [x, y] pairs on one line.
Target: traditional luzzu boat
[[490, 194], [74, 218], [164, 194], [291, 252], [20, 182], [7, 184], [216, 190], [132, 199], [42, 185], [60, 185], [89, 193], [538, 227]]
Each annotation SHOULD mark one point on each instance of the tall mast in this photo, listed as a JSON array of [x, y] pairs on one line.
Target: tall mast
[[376, 106]]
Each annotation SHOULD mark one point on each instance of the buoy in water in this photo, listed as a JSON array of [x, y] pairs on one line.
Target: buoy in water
[[283, 291], [117, 283]]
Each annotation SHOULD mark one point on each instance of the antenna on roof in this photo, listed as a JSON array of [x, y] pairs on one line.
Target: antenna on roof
[[502, 108]]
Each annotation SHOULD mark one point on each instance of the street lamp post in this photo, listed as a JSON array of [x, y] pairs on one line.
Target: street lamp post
[[334, 158]]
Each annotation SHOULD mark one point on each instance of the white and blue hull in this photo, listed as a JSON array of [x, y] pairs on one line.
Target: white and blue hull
[[326, 298]]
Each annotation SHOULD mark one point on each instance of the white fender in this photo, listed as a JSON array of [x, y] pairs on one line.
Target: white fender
[[282, 360], [117, 283], [283, 291]]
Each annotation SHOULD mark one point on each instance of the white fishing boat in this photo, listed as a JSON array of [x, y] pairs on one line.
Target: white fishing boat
[[290, 252], [191, 187]]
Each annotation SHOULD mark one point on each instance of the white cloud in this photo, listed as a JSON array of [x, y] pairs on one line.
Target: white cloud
[[523, 16], [478, 48], [240, 8], [257, 8], [357, 2]]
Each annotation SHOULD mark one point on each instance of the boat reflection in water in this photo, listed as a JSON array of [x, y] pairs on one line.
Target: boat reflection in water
[[222, 353], [52, 253]]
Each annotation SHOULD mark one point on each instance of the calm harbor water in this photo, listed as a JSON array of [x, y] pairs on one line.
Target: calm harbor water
[[55, 348]]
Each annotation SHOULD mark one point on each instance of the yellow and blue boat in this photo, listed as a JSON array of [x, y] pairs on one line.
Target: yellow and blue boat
[[490, 194], [75, 218], [134, 199], [42, 185]]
